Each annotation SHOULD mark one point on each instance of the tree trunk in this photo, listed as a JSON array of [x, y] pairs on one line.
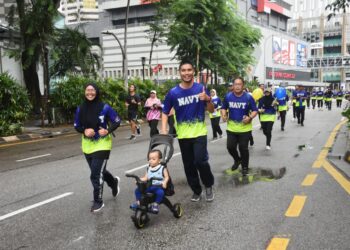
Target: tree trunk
[[216, 77], [125, 46], [151, 53], [31, 80], [197, 65]]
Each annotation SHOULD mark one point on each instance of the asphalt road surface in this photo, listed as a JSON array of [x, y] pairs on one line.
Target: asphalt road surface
[[46, 196]]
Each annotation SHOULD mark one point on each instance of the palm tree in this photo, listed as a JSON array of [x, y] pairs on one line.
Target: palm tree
[[337, 6]]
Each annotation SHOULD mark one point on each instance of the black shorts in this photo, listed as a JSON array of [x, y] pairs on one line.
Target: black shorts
[[132, 116]]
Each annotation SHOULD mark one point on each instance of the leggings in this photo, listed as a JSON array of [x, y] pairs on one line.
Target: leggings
[[267, 130], [319, 103], [215, 124], [283, 118]]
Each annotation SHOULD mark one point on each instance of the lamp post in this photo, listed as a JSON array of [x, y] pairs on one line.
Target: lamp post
[[143, 60]]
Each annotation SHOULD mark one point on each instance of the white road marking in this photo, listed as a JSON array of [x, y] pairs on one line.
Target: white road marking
[[34, 157], [79, 238], [143, 166], [3, 217]]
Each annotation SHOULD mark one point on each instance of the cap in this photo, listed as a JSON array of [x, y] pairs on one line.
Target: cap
[[268, 90], [153, 91]]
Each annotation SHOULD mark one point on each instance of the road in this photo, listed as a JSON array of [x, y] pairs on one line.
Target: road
[[46, 196]]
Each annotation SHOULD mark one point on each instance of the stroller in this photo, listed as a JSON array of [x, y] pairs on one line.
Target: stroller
[[140, 217]]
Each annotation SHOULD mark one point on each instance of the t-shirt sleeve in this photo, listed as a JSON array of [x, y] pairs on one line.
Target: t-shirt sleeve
[[224, 103], [137, 98], [168, 103]]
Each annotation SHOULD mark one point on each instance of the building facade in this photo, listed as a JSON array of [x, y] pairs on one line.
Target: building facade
[[79, 11]]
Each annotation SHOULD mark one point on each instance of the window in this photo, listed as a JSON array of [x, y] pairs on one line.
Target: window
[[114, 73], [170, 71], [166, 71], [119, 73], [137, 72], [132, 72]]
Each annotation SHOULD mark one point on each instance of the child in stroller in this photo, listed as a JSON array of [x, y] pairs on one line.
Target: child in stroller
[[153, 187], [158, 171]]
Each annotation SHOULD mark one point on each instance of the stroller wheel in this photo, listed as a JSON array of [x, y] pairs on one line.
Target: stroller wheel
[[178, 211], [140, 219]]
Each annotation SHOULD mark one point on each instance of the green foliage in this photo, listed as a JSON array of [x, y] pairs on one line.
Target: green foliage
[[14, 106], [336, 7], [71, 53], [346, 114], [210, 31]]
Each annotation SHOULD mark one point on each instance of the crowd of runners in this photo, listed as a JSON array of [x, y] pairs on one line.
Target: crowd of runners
[[182, 115]]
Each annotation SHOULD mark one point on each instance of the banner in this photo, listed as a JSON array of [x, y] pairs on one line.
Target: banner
[[292, 53], [301, 55], [276, 49], [285, 52]]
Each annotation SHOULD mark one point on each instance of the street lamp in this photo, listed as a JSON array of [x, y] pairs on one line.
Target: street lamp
[[143, 60]]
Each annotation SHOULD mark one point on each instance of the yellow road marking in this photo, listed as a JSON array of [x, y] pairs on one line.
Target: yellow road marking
[[309, 180], [32, 141], [296, 206], [278, 244], [317, 164], [337, 176]]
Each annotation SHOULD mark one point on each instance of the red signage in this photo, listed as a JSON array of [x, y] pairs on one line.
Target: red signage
[[148, 1], [157, 68]]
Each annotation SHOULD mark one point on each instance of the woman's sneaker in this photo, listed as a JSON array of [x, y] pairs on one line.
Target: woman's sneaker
[[97, 206], [115, 189], [209, 194]]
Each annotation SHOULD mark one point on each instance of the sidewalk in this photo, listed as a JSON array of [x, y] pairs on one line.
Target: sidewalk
[[340, 147], [33, 131]]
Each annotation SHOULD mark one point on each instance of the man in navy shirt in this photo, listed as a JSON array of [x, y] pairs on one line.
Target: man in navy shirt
[[300, 102], [190, 100]]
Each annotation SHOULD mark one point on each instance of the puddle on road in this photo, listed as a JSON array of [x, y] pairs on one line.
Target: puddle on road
[[255, 174]]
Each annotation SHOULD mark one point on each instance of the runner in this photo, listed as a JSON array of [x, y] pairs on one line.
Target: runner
[[328, 98], [241, 111], [313, 98], [189, 100], [153, 107], [294, 101], [300, 98], [91, 119], [215, 116], [319, 99], [308, 99], [282, 109], [339, 98], [132, 103], [267, 112]]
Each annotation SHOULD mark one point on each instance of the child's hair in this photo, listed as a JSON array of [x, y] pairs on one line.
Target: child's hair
[[160, 155]]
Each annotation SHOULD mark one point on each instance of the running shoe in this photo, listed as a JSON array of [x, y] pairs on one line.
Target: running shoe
[[245, 171], [236, 165], [196, 197], [268, 147], [97, 206], [138, 129], [132, 137], [115, 189], [209, 194]]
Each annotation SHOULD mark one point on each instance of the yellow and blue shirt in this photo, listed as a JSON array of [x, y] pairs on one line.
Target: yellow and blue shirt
[[238, 107], [189, 109]]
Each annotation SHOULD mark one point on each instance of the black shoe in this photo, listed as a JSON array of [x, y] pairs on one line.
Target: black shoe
[[244, 171], [302, 124], [282, 129], [138, 129], [115, 188], [236, 165], [97, 206], [251, 143], [298, 121]]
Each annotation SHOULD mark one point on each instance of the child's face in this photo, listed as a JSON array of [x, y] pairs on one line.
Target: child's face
[[153, 159]]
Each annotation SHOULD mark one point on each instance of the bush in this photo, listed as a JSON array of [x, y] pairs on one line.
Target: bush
[[15, 106]]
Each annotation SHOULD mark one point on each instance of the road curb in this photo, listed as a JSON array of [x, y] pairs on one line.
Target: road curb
[[45, 134]]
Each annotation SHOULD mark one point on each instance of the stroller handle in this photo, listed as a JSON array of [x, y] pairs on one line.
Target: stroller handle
[[133, 176]]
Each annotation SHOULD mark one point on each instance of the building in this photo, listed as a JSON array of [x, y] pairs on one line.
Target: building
[[329, 59], [79, 11]]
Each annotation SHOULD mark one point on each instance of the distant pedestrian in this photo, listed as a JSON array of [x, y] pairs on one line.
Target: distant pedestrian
[[153, 106], [215, 116], [319, 99], [96, 121], [132, 103], [300, 104]]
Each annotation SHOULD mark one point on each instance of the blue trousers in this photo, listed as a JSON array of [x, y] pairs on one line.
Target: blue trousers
[[157, 190]]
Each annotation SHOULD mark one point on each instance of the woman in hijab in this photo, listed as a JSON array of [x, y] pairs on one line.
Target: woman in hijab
[[96, 121], [153, 105], [215, 116], [267, 112]]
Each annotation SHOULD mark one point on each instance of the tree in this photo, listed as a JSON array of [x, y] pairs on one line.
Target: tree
[[35, 24], [337, 6], [210, 33], [71, 53]]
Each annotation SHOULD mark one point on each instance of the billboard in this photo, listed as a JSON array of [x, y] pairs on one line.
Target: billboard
[[283, 74], [301, 55], [287, 52]]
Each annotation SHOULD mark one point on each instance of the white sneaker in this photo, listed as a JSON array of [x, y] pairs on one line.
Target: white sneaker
[[268, 148]]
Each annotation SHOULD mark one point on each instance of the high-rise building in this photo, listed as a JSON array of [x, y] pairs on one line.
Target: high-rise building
[[79, 11], [329, 59]]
